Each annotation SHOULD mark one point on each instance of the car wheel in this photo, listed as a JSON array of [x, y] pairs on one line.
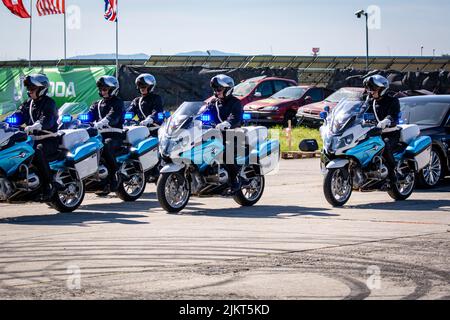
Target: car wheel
[[430, 176]]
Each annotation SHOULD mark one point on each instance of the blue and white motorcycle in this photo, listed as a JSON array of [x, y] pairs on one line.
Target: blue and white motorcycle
[[352, 155], [193, 154], [76, 161], [137, 156]]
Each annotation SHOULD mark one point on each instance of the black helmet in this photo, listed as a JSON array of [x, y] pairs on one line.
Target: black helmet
[[377, 82], [108, 82], [39, 81], [222, 81], [146, 80]]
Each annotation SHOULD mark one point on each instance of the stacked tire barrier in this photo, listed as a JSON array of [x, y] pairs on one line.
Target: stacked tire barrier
[[178, 84], [437, 82]]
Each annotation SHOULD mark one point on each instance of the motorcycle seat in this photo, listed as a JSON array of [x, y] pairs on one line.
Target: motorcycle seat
[[408, 133]]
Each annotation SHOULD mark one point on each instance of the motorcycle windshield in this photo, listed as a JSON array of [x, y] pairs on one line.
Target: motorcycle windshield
[[345, 115], [73, 109], [183, 116]]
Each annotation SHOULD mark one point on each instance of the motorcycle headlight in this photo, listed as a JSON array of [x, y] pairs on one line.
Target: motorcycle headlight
[[345, 141], [273, 108]]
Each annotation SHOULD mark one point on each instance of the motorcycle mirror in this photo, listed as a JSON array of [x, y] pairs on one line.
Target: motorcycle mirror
[[323, 115], [326, 109]]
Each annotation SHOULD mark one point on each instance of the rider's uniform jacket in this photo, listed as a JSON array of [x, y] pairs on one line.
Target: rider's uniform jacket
[[386, 107], [43, 110], [149, 105], [228, 109], [111, 108]]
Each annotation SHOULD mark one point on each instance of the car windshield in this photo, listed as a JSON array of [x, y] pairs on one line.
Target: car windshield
[[346, 114], [244, 88], [424, 113], [293, 93], [186, 111], [73, 108], [344, 94]]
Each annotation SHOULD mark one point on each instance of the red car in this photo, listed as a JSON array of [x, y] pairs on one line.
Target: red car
[[283, 105], [259, 88], [310, 114]]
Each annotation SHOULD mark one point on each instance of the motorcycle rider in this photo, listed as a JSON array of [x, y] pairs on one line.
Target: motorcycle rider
[[386, 109], [149, 104], [226, 112], [40, 115], [108, 117]]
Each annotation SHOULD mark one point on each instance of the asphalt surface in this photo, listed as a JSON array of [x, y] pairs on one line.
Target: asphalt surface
[[291, 245]]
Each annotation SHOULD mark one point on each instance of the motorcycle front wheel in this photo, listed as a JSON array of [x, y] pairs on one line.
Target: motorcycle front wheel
[[173, 191], [337, 186]]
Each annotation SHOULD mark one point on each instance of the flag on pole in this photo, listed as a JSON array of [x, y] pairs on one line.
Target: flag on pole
[[47, 7], [16, 7], [111, 10]]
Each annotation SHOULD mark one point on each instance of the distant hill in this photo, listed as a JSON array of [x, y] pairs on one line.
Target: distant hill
[[204, 53], [137, 56]]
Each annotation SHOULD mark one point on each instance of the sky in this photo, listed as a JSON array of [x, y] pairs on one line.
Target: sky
[[250, 27]]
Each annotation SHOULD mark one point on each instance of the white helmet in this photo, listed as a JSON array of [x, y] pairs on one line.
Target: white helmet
[[377, 82], [146, 79], [222, 81], [109, 82]]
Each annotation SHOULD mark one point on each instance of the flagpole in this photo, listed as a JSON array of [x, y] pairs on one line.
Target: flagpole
[[117, 39], [65, 35], [31, 29]]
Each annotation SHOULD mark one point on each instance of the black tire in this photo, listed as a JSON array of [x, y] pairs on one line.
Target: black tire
[[327, 188], [59, 205], [397, 195], [124, 195], [161, 192], [431, 181], [240, 198]]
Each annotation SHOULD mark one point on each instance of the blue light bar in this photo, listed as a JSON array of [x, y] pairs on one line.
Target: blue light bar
[[160, 116], [66, 118], [12, 120], [84, 117], [206, 117], [168, 114], [129, 116], [246, 116]]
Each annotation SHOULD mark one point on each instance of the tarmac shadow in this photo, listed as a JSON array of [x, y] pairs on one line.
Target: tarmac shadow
[[260, 211], [78, 218], [406, 205]]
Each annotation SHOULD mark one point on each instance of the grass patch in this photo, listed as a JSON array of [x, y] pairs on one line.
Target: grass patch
[[298, 134]]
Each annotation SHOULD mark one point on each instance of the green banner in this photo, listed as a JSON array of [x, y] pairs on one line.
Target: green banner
[[69, 84]]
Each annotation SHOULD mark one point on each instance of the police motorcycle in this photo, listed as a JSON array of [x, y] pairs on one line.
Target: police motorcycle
[[137, 155], [193, 154], [75, 162], [352, 154], [151, 175]]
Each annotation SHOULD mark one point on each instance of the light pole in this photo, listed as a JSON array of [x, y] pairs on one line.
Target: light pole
[[359, 14], [421, 51]]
